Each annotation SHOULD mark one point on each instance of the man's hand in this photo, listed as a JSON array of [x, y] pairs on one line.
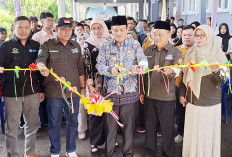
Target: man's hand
[[182, 100], [1, 70], [83, 92], [136, 68], [168, 71], [115, 71], [43, 72], [215, 67], [141, 97], [42, 97], [92, 90]]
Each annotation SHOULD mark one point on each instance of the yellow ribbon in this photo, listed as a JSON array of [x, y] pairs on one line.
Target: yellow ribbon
[[98, 109], [119, 76]]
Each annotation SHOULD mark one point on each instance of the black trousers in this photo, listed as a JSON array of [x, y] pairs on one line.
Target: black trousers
[[96, 130], [180, 114], [127, 118], [162, 112], [140, 117]]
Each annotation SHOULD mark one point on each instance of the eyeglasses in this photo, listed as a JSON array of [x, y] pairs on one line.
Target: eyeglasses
[[96, 28], [201, 36]]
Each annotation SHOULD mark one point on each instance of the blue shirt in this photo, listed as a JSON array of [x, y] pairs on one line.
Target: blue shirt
[[128, 54]]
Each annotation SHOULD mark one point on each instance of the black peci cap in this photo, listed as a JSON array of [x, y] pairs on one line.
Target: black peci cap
[[118, 20], [162, 25]]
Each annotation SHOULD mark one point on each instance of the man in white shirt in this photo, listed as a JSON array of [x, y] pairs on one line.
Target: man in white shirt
[[46, 33]]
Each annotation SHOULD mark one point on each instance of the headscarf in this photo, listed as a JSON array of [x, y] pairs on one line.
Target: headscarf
[[196, 23], [133, 34], [225, 37], [139, 25], [173, 35], [211, 52], [105, 36]]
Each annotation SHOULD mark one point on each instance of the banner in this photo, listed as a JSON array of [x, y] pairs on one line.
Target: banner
[[101, 12]]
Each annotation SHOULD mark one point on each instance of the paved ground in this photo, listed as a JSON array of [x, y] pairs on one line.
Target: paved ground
[[83, 147]]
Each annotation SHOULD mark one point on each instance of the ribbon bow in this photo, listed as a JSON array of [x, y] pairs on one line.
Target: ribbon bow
[[33, 67], [190, 65]]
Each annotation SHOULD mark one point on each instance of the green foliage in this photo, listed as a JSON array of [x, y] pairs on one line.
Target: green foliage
[[6, 21], [34, 7], [29, 8]]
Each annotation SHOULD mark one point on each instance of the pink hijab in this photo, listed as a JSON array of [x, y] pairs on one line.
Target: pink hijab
[[105, 36]]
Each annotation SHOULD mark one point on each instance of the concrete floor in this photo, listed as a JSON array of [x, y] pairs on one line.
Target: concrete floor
[[83, 147]]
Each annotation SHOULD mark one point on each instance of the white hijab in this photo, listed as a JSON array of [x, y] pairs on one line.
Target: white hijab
[[105, 36]]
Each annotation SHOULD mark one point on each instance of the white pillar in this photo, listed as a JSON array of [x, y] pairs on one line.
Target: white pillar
[[62, 5], [74, 13]]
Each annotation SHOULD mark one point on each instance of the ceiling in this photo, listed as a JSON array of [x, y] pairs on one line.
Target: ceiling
[[109, 1]]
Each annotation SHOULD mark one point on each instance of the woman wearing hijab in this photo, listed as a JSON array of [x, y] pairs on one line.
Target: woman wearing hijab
[[173, 33], [142, 36], [202, 135], [98, 35], [132, 35], [225, 39], [195, 24], [178, 40]]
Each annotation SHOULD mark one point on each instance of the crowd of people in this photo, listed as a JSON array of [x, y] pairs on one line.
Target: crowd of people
[[86, 53]]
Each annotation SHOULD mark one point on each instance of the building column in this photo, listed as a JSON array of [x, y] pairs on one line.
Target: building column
[[62, 5], [154, 11], [179, 7], [171, 5], [203, 12], [74, 13], [141, 9], [149, 9]]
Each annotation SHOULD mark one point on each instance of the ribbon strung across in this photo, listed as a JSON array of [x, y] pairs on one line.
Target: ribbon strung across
[[86, 101]]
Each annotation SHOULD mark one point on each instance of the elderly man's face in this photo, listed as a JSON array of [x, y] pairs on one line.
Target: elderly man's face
[[161, 37], [64, 33], [119, 33]]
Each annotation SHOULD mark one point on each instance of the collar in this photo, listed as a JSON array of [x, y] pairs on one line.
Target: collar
[[167, 47], [183, 46], [125, 42], [45, 33], [57, 41], [18, 40]]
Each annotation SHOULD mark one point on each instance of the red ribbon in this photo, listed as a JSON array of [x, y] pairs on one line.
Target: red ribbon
[[33, 67], [190, 64], [167, 84]]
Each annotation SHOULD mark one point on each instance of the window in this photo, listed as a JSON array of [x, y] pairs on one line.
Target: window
[[226, 4], [183, 5], [192, 5], [223, 5]]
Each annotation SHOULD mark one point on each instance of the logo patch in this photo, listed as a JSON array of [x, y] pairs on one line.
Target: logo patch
[[15, 51], [169, 57], [31, 50], [74, 50], [40, 51], [67, 21]]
